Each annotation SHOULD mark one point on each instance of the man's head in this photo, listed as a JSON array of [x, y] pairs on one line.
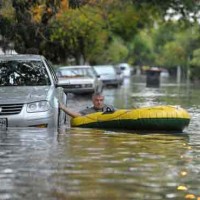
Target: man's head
[[98, 100]]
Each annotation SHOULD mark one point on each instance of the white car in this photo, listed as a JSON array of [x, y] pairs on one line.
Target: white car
[[80, 79], [29, 93], [108, 75], [125, 69], [164, 73]]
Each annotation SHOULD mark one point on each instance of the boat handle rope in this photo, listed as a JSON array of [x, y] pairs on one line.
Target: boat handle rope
[[91, 118]]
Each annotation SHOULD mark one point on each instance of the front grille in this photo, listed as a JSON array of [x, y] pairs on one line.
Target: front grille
[[78, 86], [110, 80], [72, 86], [10, 109]]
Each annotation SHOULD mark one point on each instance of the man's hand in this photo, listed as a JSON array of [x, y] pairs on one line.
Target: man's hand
[[67, 111], [61, 106]]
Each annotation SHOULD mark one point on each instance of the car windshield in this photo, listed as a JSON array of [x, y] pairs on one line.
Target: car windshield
[[23, 73], [105, 70], [76, 72]]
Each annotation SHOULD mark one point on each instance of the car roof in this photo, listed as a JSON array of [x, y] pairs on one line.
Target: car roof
[[109, 65], [124, 64], [21, 57], [75, 67]]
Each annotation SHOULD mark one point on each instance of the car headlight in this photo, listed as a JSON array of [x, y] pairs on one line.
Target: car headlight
[[40, 106]]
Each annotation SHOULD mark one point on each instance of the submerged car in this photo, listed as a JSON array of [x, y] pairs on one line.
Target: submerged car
[[80, 79], [108, 75], [29, 92], [125, 69]]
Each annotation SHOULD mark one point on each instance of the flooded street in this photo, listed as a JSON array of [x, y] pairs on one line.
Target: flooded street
[[79, 164]]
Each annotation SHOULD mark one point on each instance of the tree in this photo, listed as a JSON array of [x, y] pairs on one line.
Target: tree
[[116, 52], [142, 49], [176, 46], [183, 7], [80, 34], [28, 26], [195, 66], [92, 32], [32, 24]]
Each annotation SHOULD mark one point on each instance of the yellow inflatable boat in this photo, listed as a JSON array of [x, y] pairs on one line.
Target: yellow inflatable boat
[[162, 118]]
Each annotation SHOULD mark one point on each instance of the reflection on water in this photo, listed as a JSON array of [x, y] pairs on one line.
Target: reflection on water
[[98, 164]]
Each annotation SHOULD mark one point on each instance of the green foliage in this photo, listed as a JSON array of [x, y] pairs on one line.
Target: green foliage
[[196, 58], [176, 47], [115, 53], [22, 29], [80, 33], [125, 24], [142, 49], [183, 7], [133, 31], [162, 34], [195, 66], [7, 11], [173, 55], [176, 39]]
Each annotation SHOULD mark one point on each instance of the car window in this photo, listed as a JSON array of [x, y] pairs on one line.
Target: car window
[[76, 72], [23, 73], [53, 73], [90, 72], [105, 70]]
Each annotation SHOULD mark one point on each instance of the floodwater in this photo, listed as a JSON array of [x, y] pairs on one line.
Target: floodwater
[[79, 164]]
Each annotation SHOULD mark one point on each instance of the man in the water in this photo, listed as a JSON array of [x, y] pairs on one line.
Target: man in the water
[[98, 106]]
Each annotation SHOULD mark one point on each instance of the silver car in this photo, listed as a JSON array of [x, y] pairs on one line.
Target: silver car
[[29, 92], [108, 75], [80, 79]]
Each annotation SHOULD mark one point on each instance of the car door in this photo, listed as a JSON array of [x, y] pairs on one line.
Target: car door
[[58, 95]]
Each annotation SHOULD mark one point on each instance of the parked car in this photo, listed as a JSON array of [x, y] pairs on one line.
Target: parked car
[[108, 75], [120, 75], [164, 73], [125, 69], [80, 79], [29, 92]]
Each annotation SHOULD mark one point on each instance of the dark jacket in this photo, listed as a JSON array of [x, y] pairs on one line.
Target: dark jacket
[[89, 110]]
